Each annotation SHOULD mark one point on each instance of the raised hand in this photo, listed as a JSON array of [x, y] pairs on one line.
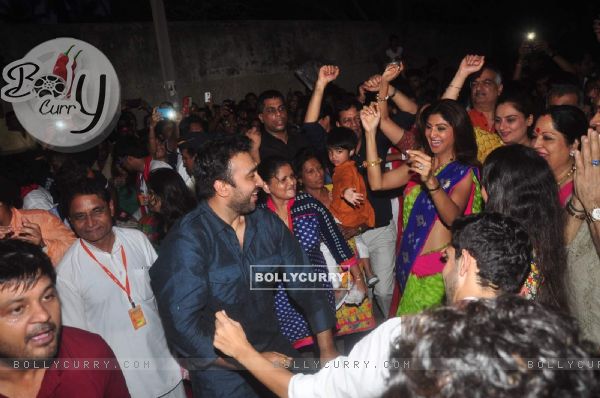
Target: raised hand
[[471, 64], [373, 83], [328, 73], [351, 196], [370, 116], [587, 171], [392, 71], [30, 232], [420, 163]]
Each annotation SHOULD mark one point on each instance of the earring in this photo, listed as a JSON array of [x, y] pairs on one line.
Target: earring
[[572, 153]]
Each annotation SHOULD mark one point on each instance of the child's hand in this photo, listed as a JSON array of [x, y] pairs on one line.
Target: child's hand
[[351, 196]]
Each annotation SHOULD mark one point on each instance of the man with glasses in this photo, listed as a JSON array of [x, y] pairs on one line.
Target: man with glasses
[[278, 139], [104, 288], [486, 87]]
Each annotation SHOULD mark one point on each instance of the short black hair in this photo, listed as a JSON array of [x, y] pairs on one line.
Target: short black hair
[[344, 103], [130, 146], [86, 186], [342, 137], [268, 167], [482, 348], [22, 264], [560, 89], [265, 95], [213, 162], [499, 244], [10, 193]]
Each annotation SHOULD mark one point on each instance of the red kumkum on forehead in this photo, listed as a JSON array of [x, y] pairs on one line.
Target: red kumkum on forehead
[[537, 130]]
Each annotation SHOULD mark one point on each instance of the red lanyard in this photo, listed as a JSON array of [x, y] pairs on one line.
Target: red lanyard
[[125, 288]]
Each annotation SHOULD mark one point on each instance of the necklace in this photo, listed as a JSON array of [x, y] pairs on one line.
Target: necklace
[[443, 165], [566, 177]]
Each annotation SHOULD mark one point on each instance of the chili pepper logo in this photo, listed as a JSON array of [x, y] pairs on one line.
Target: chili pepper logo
[[56, 83]]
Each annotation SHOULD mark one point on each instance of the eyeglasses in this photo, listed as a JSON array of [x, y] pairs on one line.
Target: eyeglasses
[[485, 83], [350, 120], [98, 212], [273, 111]]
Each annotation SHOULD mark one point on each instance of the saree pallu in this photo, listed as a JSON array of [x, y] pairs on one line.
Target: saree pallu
[[419, 274]]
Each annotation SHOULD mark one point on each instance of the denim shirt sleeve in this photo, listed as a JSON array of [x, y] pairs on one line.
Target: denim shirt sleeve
[[180, 283], [313, 302]]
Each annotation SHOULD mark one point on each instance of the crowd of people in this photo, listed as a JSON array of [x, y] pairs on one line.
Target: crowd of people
[[457, 222]]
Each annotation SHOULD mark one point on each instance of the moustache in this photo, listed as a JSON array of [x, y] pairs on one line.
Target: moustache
[[41, 328]]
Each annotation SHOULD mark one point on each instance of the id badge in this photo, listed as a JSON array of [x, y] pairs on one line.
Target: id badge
[[137, 317]]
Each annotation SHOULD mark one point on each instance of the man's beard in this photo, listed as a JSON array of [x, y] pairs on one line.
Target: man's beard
[[10, 357], [242, 205]]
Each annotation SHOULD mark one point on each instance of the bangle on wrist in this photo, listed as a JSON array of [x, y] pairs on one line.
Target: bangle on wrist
[[578, 214], [434, 188], [371, 163]]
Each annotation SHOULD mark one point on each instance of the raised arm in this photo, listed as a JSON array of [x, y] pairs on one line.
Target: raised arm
[[327, 74], [378, 181], [469, 65]]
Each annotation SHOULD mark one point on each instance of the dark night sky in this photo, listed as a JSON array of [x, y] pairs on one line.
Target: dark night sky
[[564, 23]]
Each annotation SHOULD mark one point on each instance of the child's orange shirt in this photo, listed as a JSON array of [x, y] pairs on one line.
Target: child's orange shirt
[[346, 176]]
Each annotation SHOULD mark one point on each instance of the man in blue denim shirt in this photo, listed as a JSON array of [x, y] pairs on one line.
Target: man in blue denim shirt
[[204, 266]]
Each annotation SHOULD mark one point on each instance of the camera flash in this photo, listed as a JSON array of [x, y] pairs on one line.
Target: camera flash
[[531, 36]]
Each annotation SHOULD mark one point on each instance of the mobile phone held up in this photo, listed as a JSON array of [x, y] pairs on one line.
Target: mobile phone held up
[[167, 113], [207, 97], [186, 106]]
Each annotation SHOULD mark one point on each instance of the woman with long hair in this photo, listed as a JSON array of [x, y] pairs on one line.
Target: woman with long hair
[[311, 223], [441, 183], [517, 182], [169, 199]]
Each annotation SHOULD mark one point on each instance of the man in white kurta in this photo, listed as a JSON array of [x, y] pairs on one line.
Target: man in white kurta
[[92, 300]]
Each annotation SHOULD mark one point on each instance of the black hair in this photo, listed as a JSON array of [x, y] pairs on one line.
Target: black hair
[[560, 89], [465, 146], [569, 120], [184, 126], [486, 348], [213, 162], [344, 103], [85, 186], [519, 99], [302, 157], [268, 167], [10, 194], [130, 146], [342, 137], [22, 264], [265, 95], [520, 184], [175, 197], [499, 244]]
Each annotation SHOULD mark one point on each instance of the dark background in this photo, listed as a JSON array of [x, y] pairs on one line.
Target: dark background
[[443, 29]]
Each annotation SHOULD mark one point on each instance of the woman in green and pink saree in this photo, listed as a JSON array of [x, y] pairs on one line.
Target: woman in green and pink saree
[[441, 183]]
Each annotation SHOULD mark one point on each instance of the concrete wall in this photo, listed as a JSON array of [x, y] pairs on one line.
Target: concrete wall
[[233, 58]]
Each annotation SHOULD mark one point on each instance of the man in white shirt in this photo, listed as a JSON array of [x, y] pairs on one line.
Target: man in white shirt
[[490, 254], [104, 287]]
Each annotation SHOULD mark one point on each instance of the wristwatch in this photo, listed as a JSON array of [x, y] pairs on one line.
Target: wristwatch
[[594, 215]]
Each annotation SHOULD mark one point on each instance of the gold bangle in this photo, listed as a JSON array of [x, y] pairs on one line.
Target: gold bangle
[[371, 163]]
